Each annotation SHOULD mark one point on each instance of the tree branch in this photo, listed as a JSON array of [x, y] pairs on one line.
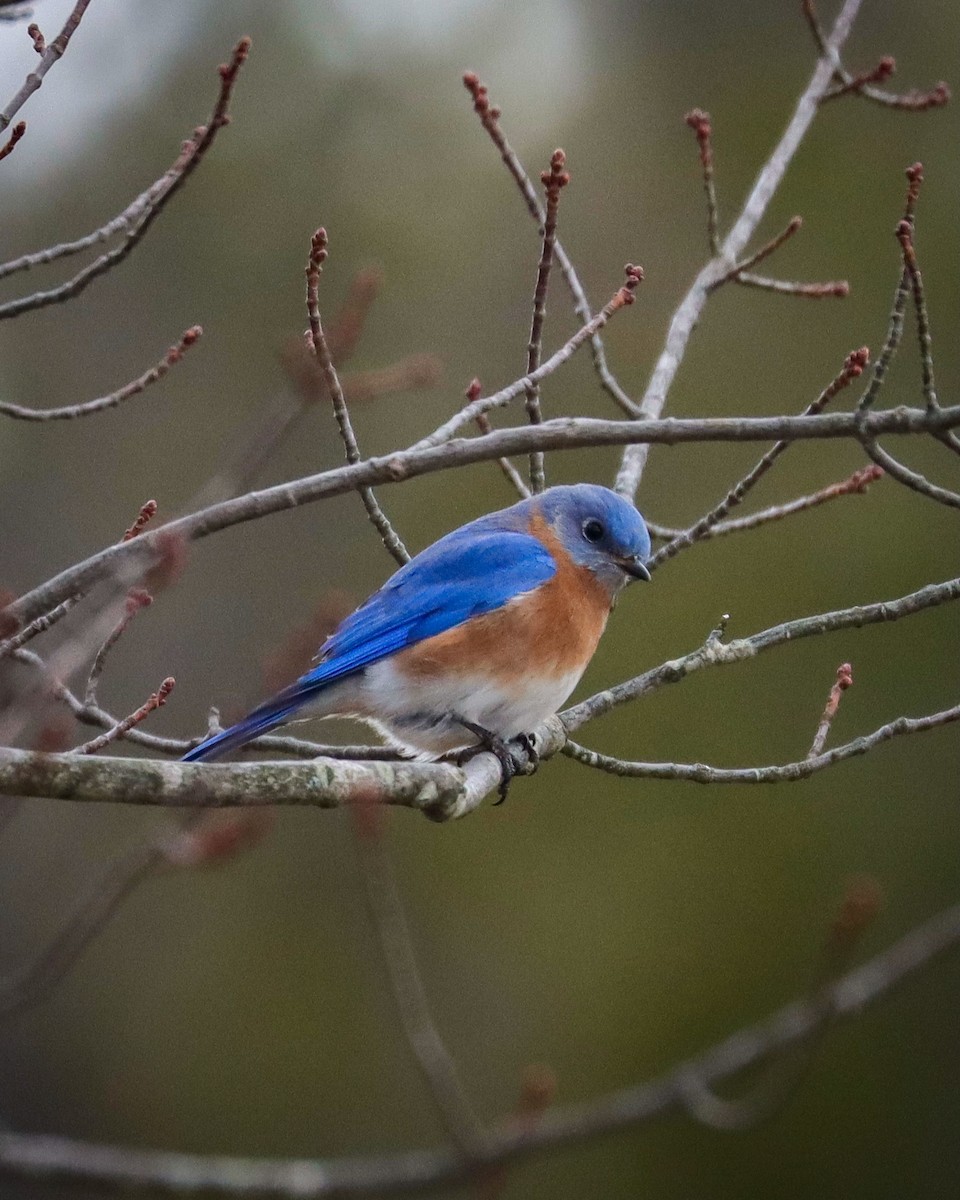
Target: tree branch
[[688, 314], [566, 433], [36, 1156]]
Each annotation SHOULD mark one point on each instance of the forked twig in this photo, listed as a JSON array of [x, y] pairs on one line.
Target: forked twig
[[49, 54], [853, 367], [148, 206], [489, 115]]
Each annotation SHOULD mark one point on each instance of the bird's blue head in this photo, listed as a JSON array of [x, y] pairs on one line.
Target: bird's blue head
[[599, 530]]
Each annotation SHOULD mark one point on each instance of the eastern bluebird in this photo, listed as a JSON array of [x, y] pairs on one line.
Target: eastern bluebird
[[483, 635]]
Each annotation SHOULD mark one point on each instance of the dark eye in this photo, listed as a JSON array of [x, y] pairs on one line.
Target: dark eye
[[593, 530]]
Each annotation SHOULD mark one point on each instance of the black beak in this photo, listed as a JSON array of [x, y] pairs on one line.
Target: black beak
[[636, 568]]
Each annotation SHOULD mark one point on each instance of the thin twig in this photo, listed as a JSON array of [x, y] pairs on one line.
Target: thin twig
[[388, 535], [51, 53], [782, 773], [837, 288], [40, 625], [134, 388], [699, 121], [286, 747], [911, 479], [154, 701], [854, 485], [409, 996], [912, 267], [553, 181], [844, 681], [878, 74], [15, 135], [914, 175], [137, 599], [715, 652], [513, 476], [621, 299]]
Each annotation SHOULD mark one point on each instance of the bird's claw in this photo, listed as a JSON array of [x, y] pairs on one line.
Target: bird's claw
[[519, 756]]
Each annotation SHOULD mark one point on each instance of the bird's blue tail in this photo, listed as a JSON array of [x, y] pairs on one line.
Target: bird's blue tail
[[261, 720]]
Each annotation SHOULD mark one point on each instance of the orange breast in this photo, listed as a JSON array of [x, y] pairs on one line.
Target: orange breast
[[551, 631]]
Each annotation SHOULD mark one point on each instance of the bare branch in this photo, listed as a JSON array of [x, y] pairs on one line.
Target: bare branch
[[15, 135], [911, 479], [837, 288], [854, 485], [513, 476], [852, 368], [489, 116], [409, 996], [150, 204], [621, 299], [388, 535], [685, 318], [48, 56], [71, 411], [39, 625], [715, 652], [862, 85], [155, 700], [844, 681], [554, 181], [288, 747], [558, 434], [137, 599], [912, 267], [699, 121], [38, 1156], [783, 773], [793, 225]]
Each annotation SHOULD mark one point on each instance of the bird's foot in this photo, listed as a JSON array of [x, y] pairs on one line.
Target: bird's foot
[[518, 756]]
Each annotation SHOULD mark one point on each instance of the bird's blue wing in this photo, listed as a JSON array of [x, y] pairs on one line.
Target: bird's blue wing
[[463, 575], [471, 571]]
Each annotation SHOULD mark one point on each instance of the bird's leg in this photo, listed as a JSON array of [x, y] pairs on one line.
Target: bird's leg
[[522, 760]]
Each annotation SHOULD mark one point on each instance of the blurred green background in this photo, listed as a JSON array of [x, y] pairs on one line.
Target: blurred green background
[[606, 928]]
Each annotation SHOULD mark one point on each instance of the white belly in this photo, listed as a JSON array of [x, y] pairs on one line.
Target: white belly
[[423, 714]]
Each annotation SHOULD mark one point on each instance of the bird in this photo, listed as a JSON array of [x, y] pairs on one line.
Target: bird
[[478, 638]]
